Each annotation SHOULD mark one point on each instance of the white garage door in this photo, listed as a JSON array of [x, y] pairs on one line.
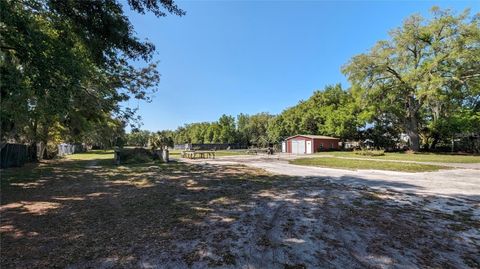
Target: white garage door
[[298, 146]]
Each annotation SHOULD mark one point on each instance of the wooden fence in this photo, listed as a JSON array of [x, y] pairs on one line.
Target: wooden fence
[[16, 155]]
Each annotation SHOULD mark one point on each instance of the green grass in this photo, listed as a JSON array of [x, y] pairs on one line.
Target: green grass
[[229, 152], [418, 157], [91, 155], [332, 162], [32, 172]]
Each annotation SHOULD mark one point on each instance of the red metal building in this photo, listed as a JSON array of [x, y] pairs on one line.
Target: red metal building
[[307, 144]]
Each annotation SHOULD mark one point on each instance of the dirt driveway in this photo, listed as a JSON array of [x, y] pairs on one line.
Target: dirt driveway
[[450, 183], [92, 214]]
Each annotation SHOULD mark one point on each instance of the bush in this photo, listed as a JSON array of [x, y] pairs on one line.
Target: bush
[[368, 152], [51, 151], [135, 155]]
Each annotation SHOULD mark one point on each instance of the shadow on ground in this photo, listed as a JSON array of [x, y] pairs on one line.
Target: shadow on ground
[[177, 215]]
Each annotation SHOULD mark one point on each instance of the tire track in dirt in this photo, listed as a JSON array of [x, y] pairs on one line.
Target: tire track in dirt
[[262, 249]]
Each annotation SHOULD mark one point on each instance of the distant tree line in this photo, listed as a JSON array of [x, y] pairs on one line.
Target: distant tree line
[[245, 130], [332, 111], [423, 83]]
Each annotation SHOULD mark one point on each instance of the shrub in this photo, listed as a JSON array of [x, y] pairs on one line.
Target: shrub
[[135, 155], [51, 151], [368, 152]]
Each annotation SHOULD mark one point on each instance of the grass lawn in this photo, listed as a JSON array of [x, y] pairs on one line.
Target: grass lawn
[[230, 152], [68, 213], [92, 155], [419, 157], [174, 154], [332, 162]]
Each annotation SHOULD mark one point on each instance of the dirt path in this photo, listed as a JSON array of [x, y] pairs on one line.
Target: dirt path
[[451, 183], [205, 215]]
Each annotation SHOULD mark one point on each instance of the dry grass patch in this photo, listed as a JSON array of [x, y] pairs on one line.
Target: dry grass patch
[[180, 215]]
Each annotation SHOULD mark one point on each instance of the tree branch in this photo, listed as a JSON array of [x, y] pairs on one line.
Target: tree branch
[[4, 47]]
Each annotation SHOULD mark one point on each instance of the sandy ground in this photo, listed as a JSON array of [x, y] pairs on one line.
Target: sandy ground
[[220, 214], [447, 183], [314, 224]]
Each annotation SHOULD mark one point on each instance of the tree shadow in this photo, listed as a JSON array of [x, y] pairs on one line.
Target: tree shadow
[[190, 215], [79, 213], [378, 183]]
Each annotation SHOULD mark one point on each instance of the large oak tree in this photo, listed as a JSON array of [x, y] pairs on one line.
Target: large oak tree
[[427, 70], [66, 66]]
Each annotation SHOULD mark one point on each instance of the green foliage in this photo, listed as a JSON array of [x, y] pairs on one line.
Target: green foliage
[[425, 73], [135, 155], [332, 111], [138, 138], [253, 130], [67, 63], [227, 129], [161, 140]]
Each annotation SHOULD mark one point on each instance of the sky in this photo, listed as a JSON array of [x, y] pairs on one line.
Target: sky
[[232, 57]]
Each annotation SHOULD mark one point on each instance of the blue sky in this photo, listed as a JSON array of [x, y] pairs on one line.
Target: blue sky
[[231, 57]]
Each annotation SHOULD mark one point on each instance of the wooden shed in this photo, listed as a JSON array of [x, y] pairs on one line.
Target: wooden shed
[[308, 144]]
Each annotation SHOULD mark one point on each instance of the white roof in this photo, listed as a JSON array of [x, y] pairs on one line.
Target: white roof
[[313, 137]]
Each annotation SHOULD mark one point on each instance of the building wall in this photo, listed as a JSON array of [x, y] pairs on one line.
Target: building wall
[[289, 146], [326, 144], [289, 143], [317, 142]]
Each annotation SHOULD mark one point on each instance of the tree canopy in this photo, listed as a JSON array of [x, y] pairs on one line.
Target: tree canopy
[[66, 71], [424, 76], [332, 111], [66, 66]]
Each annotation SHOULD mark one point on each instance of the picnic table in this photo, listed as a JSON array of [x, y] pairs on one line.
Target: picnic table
[[202, 154]]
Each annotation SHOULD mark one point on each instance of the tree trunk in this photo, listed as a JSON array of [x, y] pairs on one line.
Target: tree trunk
[[43, 143], [34, 140], [414, 140], [412, 123], [434, 143], [412, 132], [41, 147]]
